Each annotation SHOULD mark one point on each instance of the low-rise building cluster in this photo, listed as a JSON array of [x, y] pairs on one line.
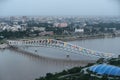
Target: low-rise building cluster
[[61, 25]]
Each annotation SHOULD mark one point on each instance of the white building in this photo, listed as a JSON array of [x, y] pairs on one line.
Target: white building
[[39, 28], [79, 30]]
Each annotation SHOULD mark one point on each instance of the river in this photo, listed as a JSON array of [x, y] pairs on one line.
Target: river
[[18, 66]]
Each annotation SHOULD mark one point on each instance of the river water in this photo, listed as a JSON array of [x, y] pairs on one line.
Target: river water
[[19, 66]]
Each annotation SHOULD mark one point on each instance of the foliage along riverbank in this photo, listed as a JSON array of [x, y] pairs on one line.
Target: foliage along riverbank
[[73, 38], [76, 73], [63, 74], [63, 37]]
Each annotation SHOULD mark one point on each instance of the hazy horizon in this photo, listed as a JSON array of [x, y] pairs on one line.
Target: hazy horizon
[[59, 8]]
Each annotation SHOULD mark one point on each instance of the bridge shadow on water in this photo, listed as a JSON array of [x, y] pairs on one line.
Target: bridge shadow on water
[[48, 60]]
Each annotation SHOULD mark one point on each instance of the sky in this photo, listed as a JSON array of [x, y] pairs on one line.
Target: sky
[[59, 7]]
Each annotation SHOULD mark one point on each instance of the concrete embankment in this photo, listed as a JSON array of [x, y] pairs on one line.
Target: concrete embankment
[[3, 46]]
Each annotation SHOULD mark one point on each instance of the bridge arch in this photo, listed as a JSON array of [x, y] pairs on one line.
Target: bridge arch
[[60, 45]]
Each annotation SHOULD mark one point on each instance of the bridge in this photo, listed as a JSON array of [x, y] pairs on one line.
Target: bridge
[[60, 45]]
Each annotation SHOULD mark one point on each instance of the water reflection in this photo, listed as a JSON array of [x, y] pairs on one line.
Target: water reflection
[[20, 66], [49, 60]]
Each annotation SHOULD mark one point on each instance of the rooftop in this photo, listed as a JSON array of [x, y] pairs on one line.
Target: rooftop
[[104, 69]]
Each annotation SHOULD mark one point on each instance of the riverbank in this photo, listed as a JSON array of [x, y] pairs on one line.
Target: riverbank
[[67, 38], [84, 37], [70, 37], [76, 37]]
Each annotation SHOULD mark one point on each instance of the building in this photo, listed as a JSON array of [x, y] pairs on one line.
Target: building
[[60, 25], [105, 69], [39, 29], [79, 30], [46, 33]]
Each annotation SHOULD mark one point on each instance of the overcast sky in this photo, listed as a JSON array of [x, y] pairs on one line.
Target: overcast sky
[[59, 7]]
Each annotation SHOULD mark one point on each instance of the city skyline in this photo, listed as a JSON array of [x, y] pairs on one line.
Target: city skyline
[[59, 8]]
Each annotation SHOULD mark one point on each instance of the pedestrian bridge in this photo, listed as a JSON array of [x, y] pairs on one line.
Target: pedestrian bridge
[[60, 45]]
